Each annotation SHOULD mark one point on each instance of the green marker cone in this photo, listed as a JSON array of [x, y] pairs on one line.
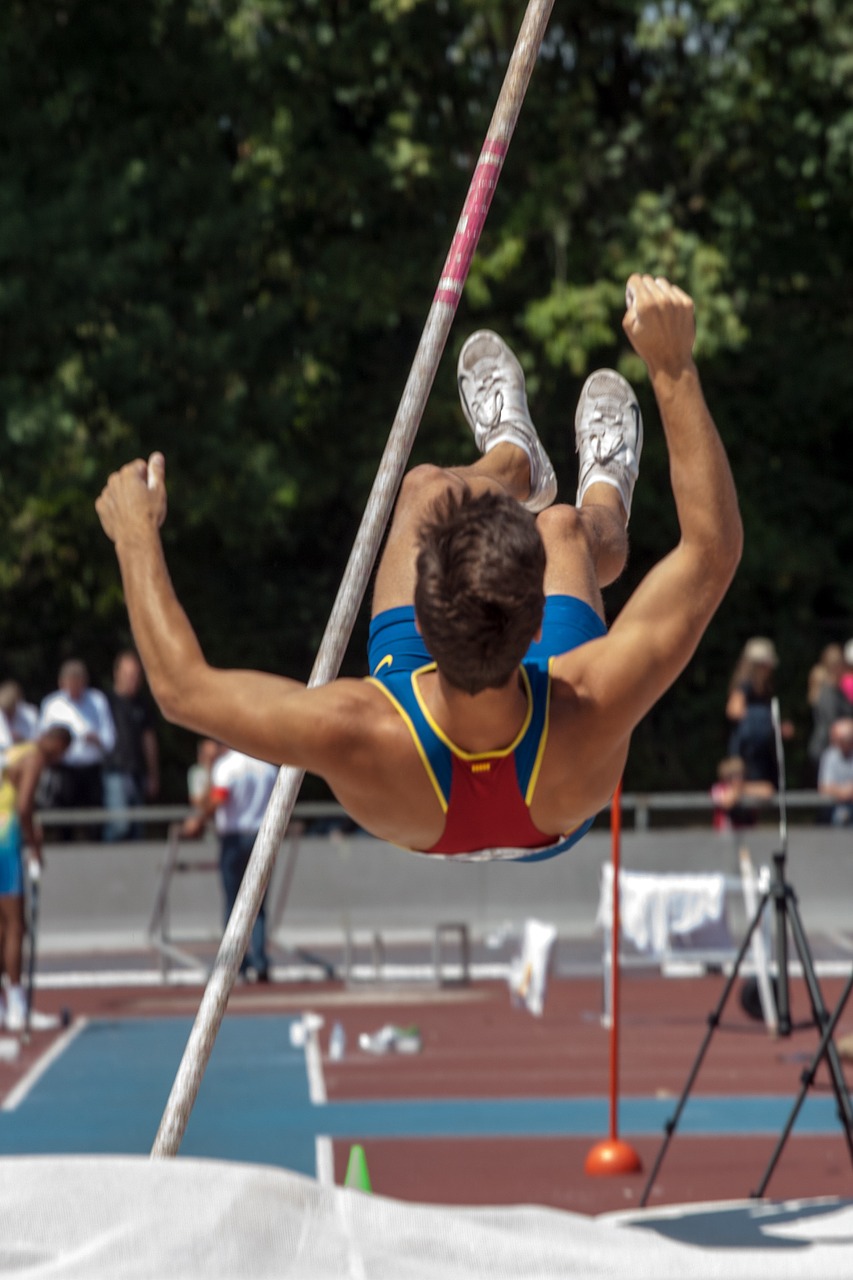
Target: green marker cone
[[356, 1174]]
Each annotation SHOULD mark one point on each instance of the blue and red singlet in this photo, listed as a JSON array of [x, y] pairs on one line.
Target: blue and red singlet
[[486, 796]]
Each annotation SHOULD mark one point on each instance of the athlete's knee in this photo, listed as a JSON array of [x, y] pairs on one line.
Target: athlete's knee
[[562, 526], [584, 539], [423, 485]]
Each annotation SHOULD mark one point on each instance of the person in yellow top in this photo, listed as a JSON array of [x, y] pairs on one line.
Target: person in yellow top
[[21, 771]]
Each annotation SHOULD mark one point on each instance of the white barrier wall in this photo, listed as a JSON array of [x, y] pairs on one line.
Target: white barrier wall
[[98, 894]]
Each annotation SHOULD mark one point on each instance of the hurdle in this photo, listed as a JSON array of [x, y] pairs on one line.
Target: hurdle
[[359, 567]]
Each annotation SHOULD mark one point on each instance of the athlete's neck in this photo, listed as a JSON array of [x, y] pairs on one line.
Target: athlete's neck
[[487, 721]]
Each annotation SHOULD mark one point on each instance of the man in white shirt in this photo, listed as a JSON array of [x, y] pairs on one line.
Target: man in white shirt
[[835, 776], [85, 712], [19, 720], [240, 789]]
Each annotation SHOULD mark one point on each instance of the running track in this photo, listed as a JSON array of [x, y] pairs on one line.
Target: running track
[[498, 1107]]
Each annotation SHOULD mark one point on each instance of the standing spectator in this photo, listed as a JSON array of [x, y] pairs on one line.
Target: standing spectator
[[198, 774], [835, 776], [845, 680], [832, 704], [132, 767], [825, 671], [748, 711], [77, 783], [21, 770], [18, 719], [240, 789]]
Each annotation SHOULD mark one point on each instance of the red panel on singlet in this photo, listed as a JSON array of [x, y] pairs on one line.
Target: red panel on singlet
[[487, 809]]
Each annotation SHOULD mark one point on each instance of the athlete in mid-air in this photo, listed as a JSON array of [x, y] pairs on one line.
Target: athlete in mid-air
[[499, 709]]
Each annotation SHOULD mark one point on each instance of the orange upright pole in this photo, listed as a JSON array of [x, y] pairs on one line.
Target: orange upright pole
[[613, 1155]]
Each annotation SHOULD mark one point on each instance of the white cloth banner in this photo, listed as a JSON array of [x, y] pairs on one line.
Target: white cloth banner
[[654, 909]]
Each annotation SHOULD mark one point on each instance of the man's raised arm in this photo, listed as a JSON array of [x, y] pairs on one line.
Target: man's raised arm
[[657, 631], [243, 708]]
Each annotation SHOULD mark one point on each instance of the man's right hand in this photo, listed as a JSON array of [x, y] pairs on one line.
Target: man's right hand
[[134, 499], [192, 827], [660, 324]]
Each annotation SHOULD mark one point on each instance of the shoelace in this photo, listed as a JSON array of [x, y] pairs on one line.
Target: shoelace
[[605, 422], [490, 386]]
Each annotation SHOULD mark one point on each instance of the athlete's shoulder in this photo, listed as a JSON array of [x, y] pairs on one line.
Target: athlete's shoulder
[[352, 705], [20, 752], [356, 737], [573, 673]]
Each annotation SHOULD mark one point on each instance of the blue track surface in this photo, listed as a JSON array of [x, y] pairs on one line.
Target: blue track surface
[[107, 1091]]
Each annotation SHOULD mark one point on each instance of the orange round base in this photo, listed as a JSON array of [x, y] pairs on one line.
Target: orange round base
[[612, 1156]]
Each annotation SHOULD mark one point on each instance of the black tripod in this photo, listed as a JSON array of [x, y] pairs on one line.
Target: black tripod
[[786, 913]]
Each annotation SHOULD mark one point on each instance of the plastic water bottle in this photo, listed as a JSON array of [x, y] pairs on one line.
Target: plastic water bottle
[[337, 1042]]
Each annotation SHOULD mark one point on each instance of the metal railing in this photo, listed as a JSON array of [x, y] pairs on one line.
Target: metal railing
[[641, 807]]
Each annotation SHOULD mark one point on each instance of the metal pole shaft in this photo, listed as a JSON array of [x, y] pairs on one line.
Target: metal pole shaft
[[357, 574]]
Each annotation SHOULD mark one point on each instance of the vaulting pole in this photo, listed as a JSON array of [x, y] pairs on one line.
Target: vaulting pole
[[357, 574]]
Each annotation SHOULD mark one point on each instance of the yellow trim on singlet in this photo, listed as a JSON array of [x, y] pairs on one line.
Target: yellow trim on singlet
[[413, 731], [457, 751], [543, 739]]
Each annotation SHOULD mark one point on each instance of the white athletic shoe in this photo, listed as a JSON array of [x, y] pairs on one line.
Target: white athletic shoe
[[608, 435], [491, 388], [16, 1009]]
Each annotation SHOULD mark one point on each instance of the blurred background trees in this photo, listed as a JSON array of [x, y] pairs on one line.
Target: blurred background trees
[[221, 225]]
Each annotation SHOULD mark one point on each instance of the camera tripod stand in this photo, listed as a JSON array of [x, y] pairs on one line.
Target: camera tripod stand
[[786, 915]]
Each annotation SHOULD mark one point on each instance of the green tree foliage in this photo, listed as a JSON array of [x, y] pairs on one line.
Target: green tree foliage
[[221, 222]]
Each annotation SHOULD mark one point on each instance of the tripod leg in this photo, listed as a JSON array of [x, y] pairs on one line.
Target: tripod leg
[[807, 1081], [713, 1023], [820, 1014], [783, 995]]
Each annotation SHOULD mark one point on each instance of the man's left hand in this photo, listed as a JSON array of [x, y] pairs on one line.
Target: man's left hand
[[134, 499]]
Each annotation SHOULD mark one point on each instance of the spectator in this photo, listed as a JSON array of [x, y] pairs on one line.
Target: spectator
[[18, 719], [240, 788], [77, 783], [845, 682], [131, 768], [748, 711], [21, 770], [825, 671], [729, 792], [832, 704], [198, 775], [835, 776]]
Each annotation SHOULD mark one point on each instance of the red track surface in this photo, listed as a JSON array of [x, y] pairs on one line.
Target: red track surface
[[475, 1045], [485, 1049]]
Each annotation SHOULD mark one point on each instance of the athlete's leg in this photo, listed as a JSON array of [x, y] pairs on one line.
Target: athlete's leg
[[12, 916], [494, 401], [504, 469], [586, 547]]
